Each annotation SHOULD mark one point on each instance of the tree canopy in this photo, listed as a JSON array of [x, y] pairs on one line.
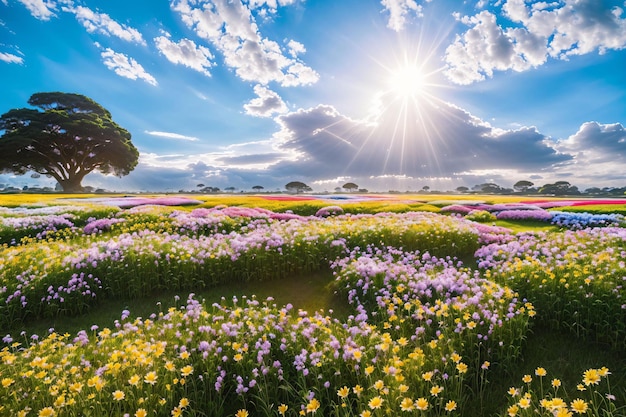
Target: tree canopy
[[67, 137], [350, 186], [297, 186]]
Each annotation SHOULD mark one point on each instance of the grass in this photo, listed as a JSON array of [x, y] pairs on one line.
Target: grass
[[527, 226], [563, 356], [309, 292]]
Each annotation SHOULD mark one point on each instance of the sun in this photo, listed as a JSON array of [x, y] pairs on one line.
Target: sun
[[407, 81]]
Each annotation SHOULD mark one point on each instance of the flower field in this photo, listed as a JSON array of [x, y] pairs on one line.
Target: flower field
[[440, 300]]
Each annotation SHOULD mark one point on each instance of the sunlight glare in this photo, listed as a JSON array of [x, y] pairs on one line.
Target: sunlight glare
[[407, 81]]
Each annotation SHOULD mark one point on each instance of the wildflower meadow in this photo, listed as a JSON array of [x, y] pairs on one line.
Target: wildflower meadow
[[439, 302]]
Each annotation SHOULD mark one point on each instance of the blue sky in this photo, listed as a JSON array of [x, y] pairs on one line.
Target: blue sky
[[390, 95]]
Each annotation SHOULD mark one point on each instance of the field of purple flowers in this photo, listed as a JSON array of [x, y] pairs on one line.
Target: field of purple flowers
[[439, 304]]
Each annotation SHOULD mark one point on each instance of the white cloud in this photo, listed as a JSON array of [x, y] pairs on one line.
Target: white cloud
[[170, 135], [102, 23], [398, 11], [544, 30], [232, 29], [186, 53], [266, 104], [272, 4], [125, 66], [40, 9], [10, 58], [295, 48]]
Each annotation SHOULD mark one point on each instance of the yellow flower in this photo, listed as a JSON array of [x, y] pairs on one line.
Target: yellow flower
[[170, 366], [580, 387], [343, 391], [462, 368], [540, 372], [366, 413], [375, 403], [242, 413], [406, 404], [184, 402], [141, 413], [421, 403], [237, 357], [513, 392], [134, 380], [357, 390], [47, 412], [186, 370], [282, 409], [456, 358], [312, 406], [435, 390], [118, 395], [604, 371], [579, 406], [369, 370], [512, 410], [562, 412], [451, 405], [60, 401], [403, 388], [527, 379], [177, 412], [427, 376], [556, 383], [356, 354], [76, 387], [591, 376], [184, 355], [558, 403], [379, 384], [151, 378], [486, 365], [524, 402], [7, 382]]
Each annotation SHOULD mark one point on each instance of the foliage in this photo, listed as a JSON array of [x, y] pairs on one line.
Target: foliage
[[297, 187], [70, 138], [482, 216]]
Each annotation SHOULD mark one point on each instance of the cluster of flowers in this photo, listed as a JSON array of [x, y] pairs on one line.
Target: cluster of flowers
[[576, 279], [536, 397], [423, 297], [536, 212], [577, 221], [250, 358], [147, 258]]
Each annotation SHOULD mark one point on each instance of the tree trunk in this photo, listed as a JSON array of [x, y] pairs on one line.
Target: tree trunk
[[72, 184]]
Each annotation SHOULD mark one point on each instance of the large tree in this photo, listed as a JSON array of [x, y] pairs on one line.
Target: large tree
[[66, 138], [298, 187]]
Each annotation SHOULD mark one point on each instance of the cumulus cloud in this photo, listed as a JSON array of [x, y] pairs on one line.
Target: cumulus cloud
[[170, 135], [266, 104], [533, 34], [125, 66], [40, 9], [104, 24], [436, 140], [186, 52], [231, 27], [10, 58], [597, 143], [398, 11]]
